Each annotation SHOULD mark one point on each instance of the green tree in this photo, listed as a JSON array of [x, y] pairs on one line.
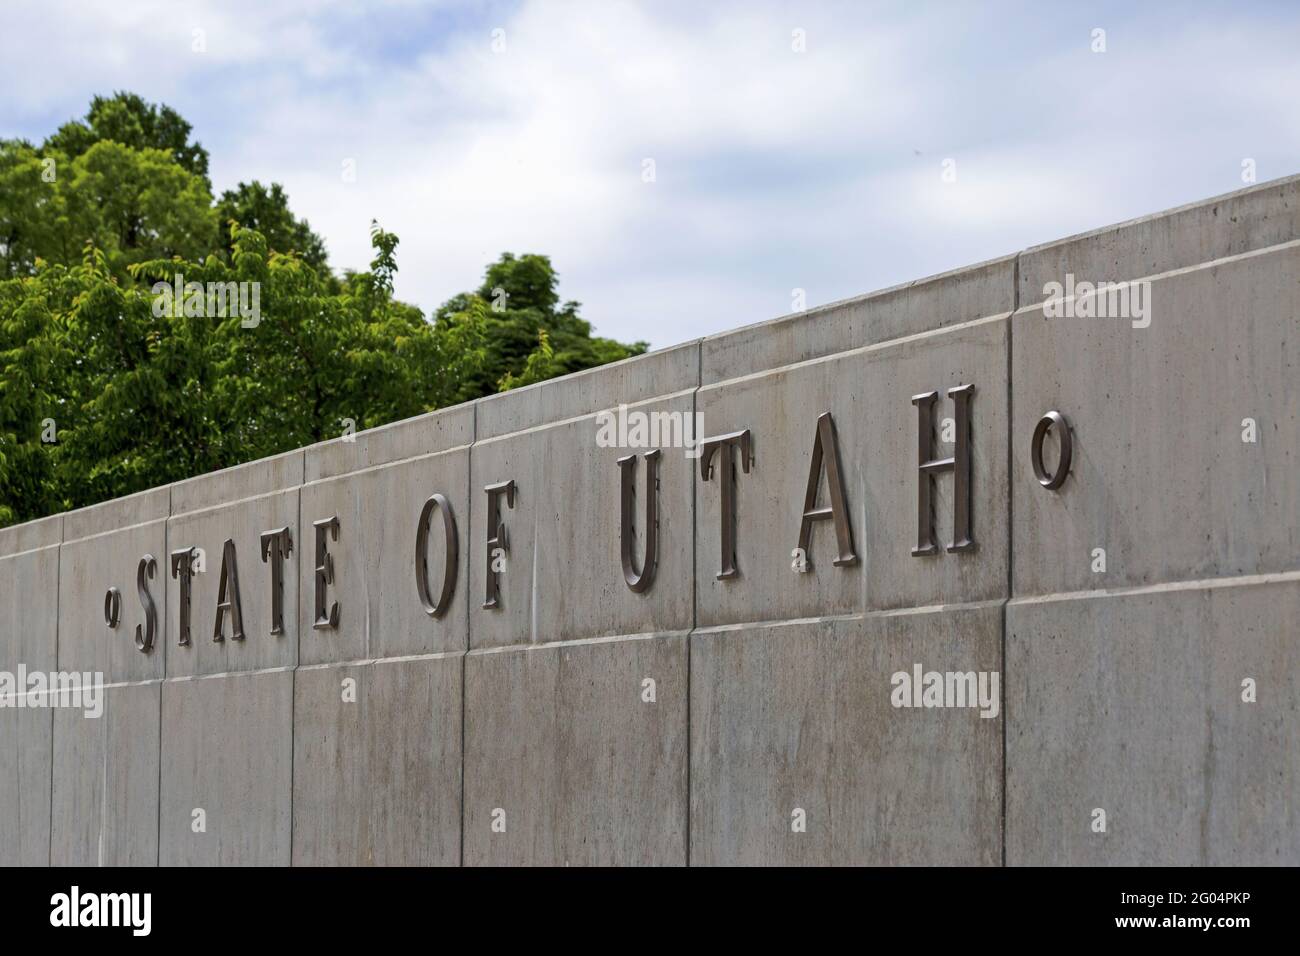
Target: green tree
[[266, 209], [127, 119], [529, 333]]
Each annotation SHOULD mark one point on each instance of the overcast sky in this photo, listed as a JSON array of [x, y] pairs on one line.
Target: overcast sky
[[481, 128]]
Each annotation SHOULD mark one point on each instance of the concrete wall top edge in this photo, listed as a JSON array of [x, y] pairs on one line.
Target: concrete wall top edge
[[961, 295], [143, 506], [239, 482], [41, 533], [661, 372], [425, 434], [1243, 221]]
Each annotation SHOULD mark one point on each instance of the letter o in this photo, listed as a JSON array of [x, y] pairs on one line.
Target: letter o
[[112, 607], [422, 556], [1052, 420]]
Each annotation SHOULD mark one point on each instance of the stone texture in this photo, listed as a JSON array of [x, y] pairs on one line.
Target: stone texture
[[1161, 478], [227, 748], [564, 574], [380, 613], [25, 741], [798, 716], [869, 393], [105, 780], [1132, 703], [1242, 221], [29, 594], [377, 780], [924, 305], [102, 548], [587, 773], [239, 505]]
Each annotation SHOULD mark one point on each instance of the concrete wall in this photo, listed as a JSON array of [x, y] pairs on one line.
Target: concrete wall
[[1129, 616]]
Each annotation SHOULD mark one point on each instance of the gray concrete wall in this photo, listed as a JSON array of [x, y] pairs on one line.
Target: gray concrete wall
[[1139, 620]]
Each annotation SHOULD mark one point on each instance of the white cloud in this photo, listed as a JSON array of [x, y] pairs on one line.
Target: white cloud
[[775, 169]]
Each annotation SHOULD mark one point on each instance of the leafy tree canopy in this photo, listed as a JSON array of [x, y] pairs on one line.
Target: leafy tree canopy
[[111, 383]]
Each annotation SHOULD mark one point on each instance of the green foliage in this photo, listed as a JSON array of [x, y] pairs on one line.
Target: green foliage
[[109, 386], [127, 119], [527, 327], [266, 209]]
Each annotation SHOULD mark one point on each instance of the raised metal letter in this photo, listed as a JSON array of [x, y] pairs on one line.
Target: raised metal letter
[[144, 571], [825, 448], [228, 596], [452, 552], [1052, 421], [929, 467], [112, 607], [641, 580], [496, 535], [325, 573], [276, 546], [183, 568], [727, 477]]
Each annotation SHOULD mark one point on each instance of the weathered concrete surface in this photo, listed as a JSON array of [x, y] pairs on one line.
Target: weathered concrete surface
[[1161, 478], [237, 505], [798, 716], [564, 574], [562, 749], [227, 749], [1132, 703], [102, 548], [377, 763], [105, 780], [1122, 687], [1228, 225], [25, 747], [868, 391], [378, 507], [924, 305], [29, 592]]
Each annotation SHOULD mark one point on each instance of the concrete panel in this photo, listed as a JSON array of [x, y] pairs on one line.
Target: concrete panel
[[955, 297], [410, 438], [1161, 478], [558, 737], [564, 573], [1132, 703], [869, 393], [102, 547], [377, 778], [29, 594], [798, 716], [1227, 225], [227, 748], [238, 504], [25, 786], [380, 612], [633, 380], [105, 782]]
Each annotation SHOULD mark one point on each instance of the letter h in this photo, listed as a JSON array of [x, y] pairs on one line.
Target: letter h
[[929, 467]]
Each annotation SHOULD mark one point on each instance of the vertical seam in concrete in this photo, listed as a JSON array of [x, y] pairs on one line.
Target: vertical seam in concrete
[[297, 662], [464, 657], [695, 593], [1011, 554], [167, 531]]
